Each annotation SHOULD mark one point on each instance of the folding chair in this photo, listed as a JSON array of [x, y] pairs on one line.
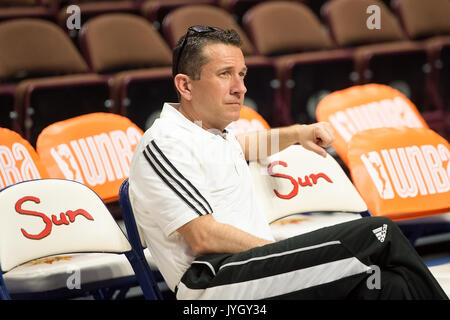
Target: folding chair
[[59, 241], [300, 191], [94, 149], [18, 160], [144, 274]]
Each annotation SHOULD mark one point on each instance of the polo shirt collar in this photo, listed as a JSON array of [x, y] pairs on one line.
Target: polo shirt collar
[[170, 112]]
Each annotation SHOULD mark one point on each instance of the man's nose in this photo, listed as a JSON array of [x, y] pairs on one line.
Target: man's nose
[[238, 86]]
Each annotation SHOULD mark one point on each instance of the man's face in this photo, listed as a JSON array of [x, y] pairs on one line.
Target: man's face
[[218, 95]]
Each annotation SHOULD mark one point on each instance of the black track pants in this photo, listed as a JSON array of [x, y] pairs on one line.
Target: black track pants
[[368, 258]]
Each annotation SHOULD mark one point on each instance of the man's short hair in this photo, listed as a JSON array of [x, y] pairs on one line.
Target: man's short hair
[[192, 59]]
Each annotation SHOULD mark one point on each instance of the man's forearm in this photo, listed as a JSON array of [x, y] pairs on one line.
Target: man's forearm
[[261, 144], [231, 239], [206, 235]]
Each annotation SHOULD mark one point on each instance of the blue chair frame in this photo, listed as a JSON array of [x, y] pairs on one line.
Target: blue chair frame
[[138, 261], [4, 295]]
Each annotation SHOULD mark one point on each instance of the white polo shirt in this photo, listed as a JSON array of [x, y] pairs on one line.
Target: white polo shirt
[[181, 171]]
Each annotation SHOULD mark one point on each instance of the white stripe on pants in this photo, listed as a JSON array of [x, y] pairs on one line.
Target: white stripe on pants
[[278, 284]]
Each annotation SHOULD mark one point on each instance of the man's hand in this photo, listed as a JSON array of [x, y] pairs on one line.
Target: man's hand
[[315, 137]]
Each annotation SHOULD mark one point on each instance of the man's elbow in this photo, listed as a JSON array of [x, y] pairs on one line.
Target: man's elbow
[[199, 242], [199, 234], [200, 248]]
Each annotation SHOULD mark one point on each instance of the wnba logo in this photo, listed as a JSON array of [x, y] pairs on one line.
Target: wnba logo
[[387, 113], [16, 165], [93, 160], [409, 171]]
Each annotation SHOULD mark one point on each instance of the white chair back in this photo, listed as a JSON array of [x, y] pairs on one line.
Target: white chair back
[[296, 180], [46, 217]]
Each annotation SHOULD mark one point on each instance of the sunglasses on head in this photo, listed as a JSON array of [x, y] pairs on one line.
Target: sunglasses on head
[[191, 30]]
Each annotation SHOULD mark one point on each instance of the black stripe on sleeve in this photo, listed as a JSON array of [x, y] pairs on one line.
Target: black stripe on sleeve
[[180, 175], [170, 185], [174, 179]]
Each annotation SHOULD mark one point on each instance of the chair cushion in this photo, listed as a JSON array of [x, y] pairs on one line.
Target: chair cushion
[[55, 272], [302, 223]]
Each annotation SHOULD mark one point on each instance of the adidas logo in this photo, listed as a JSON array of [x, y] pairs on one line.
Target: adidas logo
[[380, 232]]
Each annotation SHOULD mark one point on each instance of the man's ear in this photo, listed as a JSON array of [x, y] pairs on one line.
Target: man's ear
[[183, 84]]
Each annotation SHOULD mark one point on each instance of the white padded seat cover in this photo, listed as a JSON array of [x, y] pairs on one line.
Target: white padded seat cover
[[302, 223], [54, 272]]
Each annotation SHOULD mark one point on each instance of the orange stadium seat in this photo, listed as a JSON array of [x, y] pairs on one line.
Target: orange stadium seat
[[94, 149], [294, 38], [368, 116], [126, 49], [74, 249], [50, 78], [402, 172], [366, 107], [18, 160], [249, 121], [262, 86]]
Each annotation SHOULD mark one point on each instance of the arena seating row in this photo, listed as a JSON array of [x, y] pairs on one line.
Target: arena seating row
[[155, 10], [120, 63], [95, 150]]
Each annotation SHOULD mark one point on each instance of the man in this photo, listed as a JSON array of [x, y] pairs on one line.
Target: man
[[191, 192]]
